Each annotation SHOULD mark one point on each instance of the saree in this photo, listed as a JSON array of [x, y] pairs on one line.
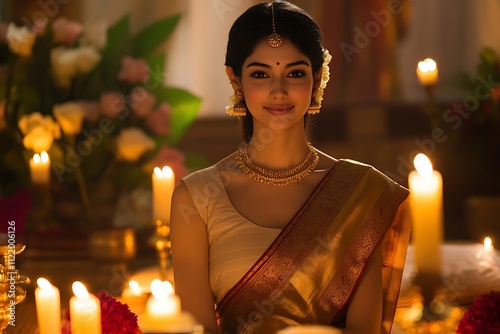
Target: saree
[[310, 271]]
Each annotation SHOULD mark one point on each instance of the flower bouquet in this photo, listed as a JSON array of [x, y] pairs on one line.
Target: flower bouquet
[[103, 113], [483, 316]]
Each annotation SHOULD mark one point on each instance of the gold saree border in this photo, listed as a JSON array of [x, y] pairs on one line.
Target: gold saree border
[[245, 303]]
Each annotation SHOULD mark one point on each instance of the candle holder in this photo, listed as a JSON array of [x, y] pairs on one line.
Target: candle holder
[[161, 241], [11, 293]]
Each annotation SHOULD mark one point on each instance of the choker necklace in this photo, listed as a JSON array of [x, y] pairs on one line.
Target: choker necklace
[[277, 178]]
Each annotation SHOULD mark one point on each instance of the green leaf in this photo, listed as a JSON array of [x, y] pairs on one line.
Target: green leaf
[[156, 65], [148, 39], [118, 45], [185, 107]]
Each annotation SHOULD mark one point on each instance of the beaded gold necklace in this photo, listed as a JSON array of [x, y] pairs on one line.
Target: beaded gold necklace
[[277, 178]]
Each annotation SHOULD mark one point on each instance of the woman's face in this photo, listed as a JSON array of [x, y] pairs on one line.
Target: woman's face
[[277, 84]]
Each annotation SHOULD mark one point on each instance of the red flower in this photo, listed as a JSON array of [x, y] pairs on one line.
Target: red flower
[[116, 318], [483, 316]]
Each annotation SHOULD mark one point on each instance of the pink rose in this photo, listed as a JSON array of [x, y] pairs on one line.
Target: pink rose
[[168, 156], [133, 70], [66, 31], [159, 120], [142, 102], [91, 110], [111, 104]]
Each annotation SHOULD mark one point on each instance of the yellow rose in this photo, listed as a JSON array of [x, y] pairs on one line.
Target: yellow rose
[[20, 40], [70, 117], [38, 140], [132, 143], [28, 123], [64, 65], [87, 59]]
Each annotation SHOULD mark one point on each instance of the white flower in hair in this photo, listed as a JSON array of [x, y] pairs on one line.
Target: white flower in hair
[[325, 76]]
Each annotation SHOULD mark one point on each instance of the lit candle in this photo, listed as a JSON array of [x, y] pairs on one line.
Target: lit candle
[[427, 72], [48, 307], [40, 168], [163, 303], [85, 311], [163, 309], [486, 252], [134, 297], [426, 206], [163, 187]]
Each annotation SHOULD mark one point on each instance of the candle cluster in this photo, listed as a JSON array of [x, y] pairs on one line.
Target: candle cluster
[[85, 309], [157, 312]]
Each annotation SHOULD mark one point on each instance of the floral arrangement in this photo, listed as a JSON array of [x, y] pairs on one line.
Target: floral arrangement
[[483, 316], [101, 110], [116, 318]]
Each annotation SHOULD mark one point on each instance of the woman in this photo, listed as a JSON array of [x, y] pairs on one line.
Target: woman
[[278, 233]]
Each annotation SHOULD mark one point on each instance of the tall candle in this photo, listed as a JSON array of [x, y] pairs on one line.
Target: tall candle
[[163, 187], [48, 307], [85, 311], [427, 72], [426, 206], [40, 168]]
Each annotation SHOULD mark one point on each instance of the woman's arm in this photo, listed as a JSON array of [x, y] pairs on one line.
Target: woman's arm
[[190, 259], [364, 315]]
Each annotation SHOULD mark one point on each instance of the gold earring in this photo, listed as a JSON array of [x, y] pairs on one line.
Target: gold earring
[[237, 107], [314, 107]]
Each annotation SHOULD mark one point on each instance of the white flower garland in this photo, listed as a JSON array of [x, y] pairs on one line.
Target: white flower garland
[[325, 76]]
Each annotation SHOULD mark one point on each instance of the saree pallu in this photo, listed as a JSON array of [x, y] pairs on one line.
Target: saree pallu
[[309, 273]]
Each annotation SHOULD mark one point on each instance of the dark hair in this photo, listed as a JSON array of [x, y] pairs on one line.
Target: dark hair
[[255, 24]]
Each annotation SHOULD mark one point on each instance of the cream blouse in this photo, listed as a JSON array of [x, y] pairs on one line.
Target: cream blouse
[[235, 242]]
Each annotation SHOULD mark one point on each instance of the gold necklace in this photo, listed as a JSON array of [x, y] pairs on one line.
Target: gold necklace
[[277, 178]]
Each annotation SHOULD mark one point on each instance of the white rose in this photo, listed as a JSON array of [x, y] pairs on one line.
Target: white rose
[[70, 117], [28, 123], [64, 64], [38, 140], [87, 59], [131, 143], [20, 40]]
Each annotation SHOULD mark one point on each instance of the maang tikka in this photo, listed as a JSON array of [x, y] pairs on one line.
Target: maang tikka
[[274, 40]]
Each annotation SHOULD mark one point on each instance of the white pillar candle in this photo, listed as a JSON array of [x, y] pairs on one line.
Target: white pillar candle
[[163, 187], [426, 206], [48, 307], [163, 310], [85, 311], [40, 168], [427, 72]]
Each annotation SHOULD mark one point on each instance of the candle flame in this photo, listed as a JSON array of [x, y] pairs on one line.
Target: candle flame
[[161, 290], [423, 165], [36, 158], [165, 172], [43, 283], [44, 157], [133, 285], [427, 65], [487, 243], [80, 290]]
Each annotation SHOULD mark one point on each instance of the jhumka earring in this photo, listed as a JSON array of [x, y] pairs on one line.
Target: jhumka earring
[[274, 40], [237, 107], [314, 107]]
